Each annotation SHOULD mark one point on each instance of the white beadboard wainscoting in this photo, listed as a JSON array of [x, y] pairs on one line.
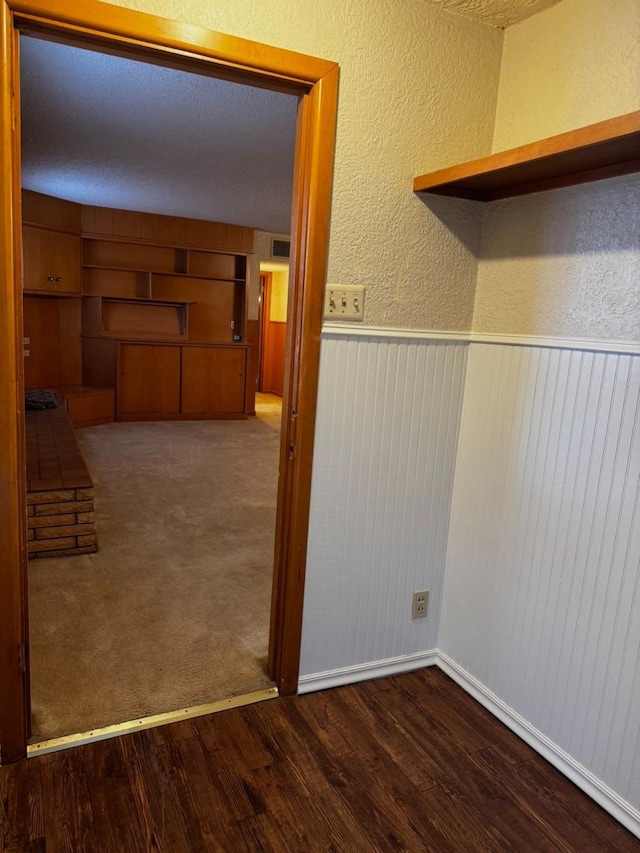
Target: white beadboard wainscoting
[[386, 434], [541, 611]]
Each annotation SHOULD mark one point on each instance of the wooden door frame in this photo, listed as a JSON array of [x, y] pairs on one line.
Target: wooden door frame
[[93, 24], [265, 314]]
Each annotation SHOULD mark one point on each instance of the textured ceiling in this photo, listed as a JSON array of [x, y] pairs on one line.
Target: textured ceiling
[[104, 130], [500, 13]]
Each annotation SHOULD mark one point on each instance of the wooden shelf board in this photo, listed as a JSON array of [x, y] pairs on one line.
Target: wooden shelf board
[[65, 294], [144, 300], [603, 150], [144, 241], [159, 272], [195, 275], [140, 336], [113, 268]]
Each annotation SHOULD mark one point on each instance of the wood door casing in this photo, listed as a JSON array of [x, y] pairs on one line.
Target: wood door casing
[[148, 379], [315, 82], [213, 379]]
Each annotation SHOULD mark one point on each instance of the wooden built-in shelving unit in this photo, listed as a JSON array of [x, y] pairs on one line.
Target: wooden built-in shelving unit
[[209, 284], [157, 309], [603, 150]]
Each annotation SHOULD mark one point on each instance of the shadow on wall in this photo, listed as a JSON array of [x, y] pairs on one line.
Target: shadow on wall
[[560, 263], [589, 218]]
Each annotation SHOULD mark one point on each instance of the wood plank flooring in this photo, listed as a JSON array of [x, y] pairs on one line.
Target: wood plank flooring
[[405, 763]]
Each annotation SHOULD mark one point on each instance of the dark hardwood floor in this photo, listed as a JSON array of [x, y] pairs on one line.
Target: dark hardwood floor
[[405, 763]]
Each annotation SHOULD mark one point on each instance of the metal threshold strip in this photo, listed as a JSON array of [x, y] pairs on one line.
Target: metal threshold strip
[[57, 744]]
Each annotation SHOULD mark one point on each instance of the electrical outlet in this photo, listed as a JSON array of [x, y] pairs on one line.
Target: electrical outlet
[[419, 604]]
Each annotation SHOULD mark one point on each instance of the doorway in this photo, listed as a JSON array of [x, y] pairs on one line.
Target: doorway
[[274, 287], [315, 82]]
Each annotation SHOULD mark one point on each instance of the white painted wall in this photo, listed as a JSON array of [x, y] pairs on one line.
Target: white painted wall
[[386, 437], [542, 591]]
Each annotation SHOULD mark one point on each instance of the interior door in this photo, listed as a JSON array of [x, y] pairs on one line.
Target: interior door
[[273, 342]]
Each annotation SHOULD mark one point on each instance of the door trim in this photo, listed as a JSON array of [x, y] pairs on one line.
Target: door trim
[[96, 25], [265, 314]]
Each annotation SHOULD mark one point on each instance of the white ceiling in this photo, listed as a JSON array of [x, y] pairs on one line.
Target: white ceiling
[[500, 13], [104, 130]]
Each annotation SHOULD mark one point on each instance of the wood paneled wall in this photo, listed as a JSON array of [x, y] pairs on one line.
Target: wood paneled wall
[[174, 230]]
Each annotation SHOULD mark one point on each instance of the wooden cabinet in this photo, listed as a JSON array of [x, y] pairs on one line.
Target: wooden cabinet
[[163, 382], [148, 380], [213, 379], [211, 285], [159, 313], [87, 406], [51, 261]]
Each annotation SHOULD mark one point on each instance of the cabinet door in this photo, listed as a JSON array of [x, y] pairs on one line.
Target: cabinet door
[[148, 380], [38, 259], [213, 380], [66, 262], [52, 260]]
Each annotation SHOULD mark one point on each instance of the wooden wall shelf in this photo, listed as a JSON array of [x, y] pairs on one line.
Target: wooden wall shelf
[[603, 150]]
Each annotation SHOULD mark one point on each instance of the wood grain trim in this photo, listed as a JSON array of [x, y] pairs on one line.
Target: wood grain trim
[[14, 725], [606, 149], [310, 235], [132, 34], [95, 19]]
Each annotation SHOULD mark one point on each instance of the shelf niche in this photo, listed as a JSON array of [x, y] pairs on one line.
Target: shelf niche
[[603, 150], [134, 319]]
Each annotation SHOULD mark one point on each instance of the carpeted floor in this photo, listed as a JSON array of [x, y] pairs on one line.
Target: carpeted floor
[[173, 610]]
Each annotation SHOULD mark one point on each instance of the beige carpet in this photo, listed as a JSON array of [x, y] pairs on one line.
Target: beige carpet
[[173, 610]]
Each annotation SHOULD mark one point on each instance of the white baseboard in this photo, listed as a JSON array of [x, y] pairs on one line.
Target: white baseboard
[[620, 809], [366, 671]]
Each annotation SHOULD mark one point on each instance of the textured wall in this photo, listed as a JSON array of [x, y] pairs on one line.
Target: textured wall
[[386, 435], [542, 593], [575, 64], [417, 92], [565, 263]]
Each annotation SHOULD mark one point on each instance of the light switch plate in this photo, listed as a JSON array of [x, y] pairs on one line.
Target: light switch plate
[[344, 302]]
